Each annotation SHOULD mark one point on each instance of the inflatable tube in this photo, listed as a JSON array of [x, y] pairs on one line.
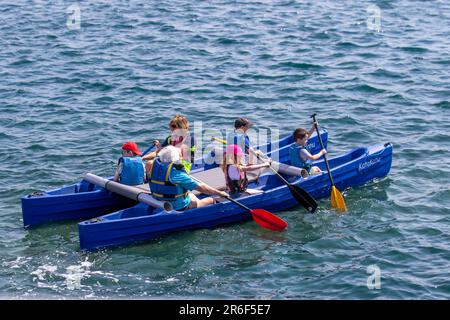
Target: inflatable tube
[[289, 170], [127, 191]]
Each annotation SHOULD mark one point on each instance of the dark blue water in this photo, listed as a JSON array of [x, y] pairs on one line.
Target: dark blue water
[[374, 71]]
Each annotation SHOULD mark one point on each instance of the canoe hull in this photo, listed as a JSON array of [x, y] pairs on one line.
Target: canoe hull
[[141, 222], [39, 209]]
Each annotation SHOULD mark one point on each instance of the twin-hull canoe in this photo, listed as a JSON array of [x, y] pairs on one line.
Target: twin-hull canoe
[[84, 200]]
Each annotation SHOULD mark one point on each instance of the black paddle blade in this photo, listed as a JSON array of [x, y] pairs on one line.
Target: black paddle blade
[[303, 198]]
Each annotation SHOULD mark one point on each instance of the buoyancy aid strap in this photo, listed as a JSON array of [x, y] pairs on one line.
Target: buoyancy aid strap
[[166, 181], [163, 183], [170, 195], [169, 168]]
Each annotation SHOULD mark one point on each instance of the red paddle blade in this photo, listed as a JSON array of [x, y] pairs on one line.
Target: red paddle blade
[[268, 220]]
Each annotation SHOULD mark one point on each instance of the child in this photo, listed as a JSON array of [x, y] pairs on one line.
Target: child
[[235, 169], [299, 153], [130, 169]]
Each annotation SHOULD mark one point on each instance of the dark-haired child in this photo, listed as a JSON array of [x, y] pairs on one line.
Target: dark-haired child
[[299, 154]]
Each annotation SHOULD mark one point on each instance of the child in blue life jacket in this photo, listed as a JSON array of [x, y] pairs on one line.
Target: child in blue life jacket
[[240, 138], [299, 154], [130, 169]]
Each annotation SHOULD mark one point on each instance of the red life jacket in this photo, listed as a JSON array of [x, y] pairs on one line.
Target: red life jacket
[[236, 185]]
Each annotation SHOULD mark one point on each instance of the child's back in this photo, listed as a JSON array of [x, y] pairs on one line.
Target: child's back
[[132, 172], [299, 157], [130, 169], [235, 169]]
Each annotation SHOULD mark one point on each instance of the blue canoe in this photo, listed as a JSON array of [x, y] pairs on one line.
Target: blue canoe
[[142, 222], [84, 200]]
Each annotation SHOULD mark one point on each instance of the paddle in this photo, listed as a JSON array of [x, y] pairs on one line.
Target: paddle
[[262, 217], [299, 194], [337, 200], [148, 149]]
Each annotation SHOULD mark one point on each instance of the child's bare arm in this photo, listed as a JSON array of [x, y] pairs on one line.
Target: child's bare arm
[[153, 154], [313, 128], [311, 157], [318, 155], [117, 174], [255, 167]]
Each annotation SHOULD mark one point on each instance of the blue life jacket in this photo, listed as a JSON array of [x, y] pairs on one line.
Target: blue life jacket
[[161, 186], [294, 155], [132, 171], [240, 139]]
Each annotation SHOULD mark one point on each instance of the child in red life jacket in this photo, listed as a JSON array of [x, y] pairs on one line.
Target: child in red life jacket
[[235, 169]]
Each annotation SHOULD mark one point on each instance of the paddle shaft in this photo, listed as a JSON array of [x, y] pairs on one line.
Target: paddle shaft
[[228, 198], [274, 171], [321, 144], [239, 204], [148, 149]]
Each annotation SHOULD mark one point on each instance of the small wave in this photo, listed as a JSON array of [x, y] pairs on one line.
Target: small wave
[[123, 26], [200, 52], [195, 91], [347, 45], [71, 53], [368, 55], [299, 65], [4, 136], [226, 41], [399, 98], [439, 138], [265, 56], [100, 86], [386, 73], [21, 62], [198, 38], [444, 62], [443, 105], [414, 49], [116, 69], [37, 147], [138, 89], [103, 100], [441, 195], [322, 35], [366, 88], [27, 123], [166, 28]]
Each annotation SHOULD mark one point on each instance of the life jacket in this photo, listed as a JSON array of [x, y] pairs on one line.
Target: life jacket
[[240, 139], [294, 155], [186, 163], [236, 185], [132, 171], [160, 185]]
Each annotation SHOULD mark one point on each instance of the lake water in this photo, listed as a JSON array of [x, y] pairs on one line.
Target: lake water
[[77, 79]]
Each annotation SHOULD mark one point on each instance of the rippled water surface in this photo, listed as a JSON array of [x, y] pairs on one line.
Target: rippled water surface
[[70, 97]]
